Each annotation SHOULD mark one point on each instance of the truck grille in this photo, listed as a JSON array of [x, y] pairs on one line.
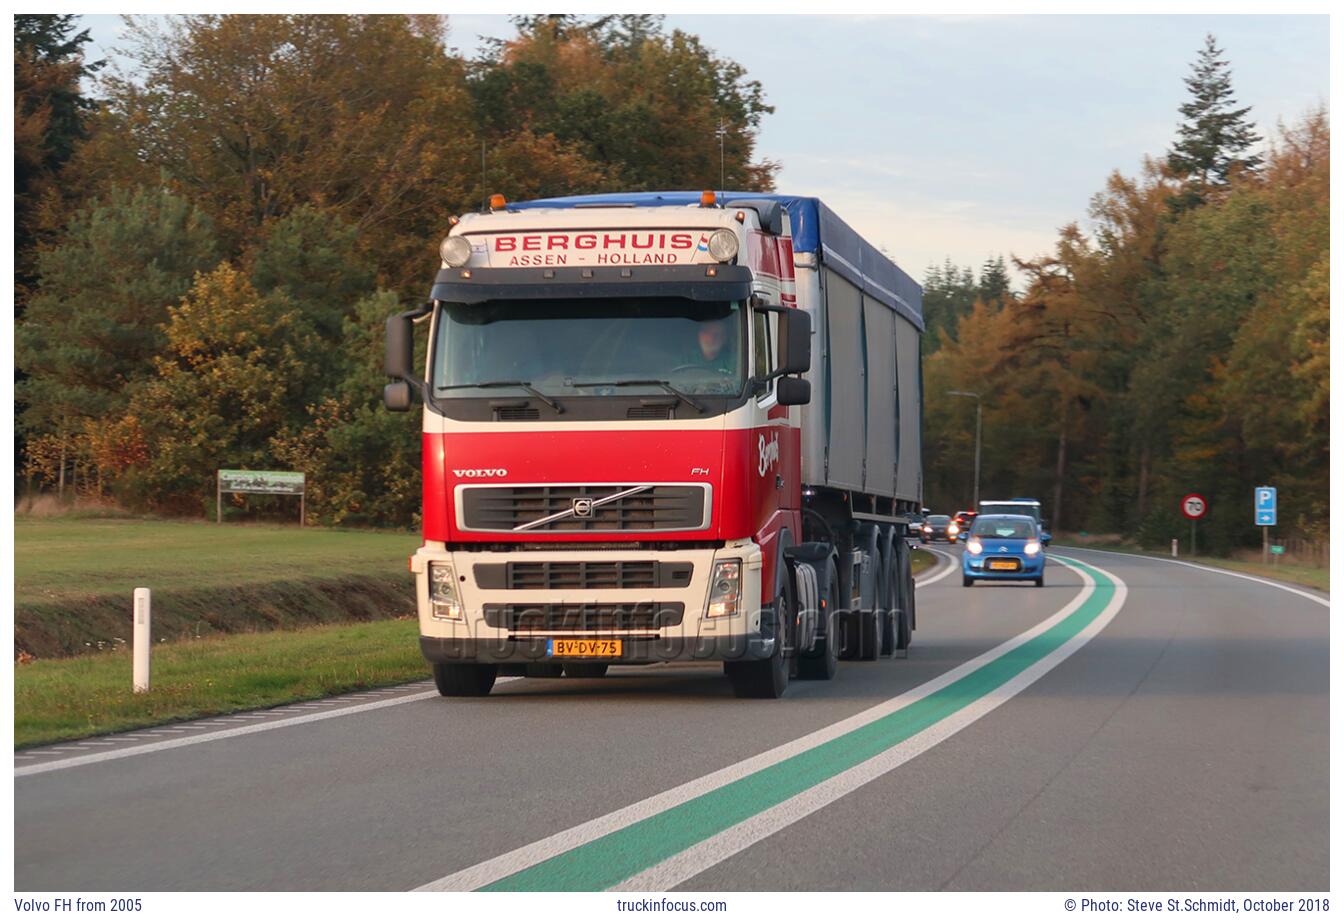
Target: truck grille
[[524, 508], [556, 576], [589, 617]]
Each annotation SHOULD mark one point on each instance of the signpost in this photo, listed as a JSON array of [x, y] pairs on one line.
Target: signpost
[[1266, 513], [1194, 507], [262, 482]]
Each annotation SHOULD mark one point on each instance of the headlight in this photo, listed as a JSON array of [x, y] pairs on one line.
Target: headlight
[[928, 529], [723, 244], [953, 529], [1032, 548], [444, 602], [973, 546], [725, 588], [455, 250]]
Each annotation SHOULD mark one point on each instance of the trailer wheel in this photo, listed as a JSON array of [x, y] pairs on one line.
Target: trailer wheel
[[889, 607], [821, 662], [765, 679], [457, 679], [586, 670]]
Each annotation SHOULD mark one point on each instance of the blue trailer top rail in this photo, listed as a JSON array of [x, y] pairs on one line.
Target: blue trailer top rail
[[816, 229]]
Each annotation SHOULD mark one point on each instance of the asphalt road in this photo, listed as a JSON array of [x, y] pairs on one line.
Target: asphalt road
[[1134, 725]]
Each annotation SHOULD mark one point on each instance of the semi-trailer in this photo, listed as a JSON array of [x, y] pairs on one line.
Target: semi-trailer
[[662, 427]]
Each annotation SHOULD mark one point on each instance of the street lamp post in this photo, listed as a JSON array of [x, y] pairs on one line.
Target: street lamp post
[[975, 500]]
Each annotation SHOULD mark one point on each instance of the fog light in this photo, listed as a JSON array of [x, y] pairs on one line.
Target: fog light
[[725, 588]]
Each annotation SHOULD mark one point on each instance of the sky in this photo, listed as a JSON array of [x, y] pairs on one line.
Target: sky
[[969, 137]]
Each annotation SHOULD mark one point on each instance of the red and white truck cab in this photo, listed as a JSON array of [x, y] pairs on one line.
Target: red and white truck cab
[[615, 399]]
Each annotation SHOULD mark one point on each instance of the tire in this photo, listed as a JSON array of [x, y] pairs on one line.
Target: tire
[[1040, 582], [767, 678], [454, 679], [891, 605], [586, 670], [822, 661], [545, 669], [967, 581]]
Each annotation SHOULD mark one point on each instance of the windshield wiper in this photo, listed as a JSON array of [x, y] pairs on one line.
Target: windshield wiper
[[647, 383], [499, 384]]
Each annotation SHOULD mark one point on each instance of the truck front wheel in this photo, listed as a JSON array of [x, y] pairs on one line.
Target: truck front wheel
[[455, 679], [765, 679]]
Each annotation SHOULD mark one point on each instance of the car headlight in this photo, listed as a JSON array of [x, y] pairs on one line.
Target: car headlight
[[725, 588], [723, 245], [973, 546], [455, 250], [953, 529], [1032, 548], [444, 602], [928, 529]]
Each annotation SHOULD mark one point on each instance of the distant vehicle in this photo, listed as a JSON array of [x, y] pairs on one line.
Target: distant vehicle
[[940, 528], [964, 520], [1028, 506], [1004, 547]]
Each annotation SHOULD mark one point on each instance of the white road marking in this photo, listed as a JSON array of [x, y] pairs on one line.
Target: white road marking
[[171, 743], [938, 574], [702, 856], [1323, 601], [506, 864]]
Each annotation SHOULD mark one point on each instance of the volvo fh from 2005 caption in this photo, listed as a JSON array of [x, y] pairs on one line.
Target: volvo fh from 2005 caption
[[660, 427]]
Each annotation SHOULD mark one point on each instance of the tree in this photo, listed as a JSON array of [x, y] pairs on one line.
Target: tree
[[612, 92], [93, 326], [252, 117], [994, 287], [226, 384], [1215, 135], [51, 114]]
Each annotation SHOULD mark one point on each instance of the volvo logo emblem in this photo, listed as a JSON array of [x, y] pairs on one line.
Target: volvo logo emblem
[[583, 507]]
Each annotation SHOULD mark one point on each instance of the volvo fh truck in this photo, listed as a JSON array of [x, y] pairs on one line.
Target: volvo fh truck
[[663, 427]]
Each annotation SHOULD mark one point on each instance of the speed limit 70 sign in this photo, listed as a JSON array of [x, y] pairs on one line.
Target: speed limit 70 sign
[[1194, 506]]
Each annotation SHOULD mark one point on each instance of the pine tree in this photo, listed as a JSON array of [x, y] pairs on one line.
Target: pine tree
[[993, 288], [1215, 135]]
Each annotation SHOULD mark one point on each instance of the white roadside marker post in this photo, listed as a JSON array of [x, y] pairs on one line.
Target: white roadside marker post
[[141, 642], [1174, 541]]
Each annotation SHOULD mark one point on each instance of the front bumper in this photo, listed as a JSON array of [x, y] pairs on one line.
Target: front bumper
[[470, 638], [1028, 566]]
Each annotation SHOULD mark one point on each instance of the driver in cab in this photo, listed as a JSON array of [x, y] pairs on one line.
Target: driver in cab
[[716, 351]]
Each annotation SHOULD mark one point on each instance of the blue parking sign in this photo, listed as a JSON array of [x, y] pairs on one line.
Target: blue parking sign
[[1266, 506]]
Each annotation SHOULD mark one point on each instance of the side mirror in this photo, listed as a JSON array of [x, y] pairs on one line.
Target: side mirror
[[795, 343], [792, 391], [397, 396], [400, 348]]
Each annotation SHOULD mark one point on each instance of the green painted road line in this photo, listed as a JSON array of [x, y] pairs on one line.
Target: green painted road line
[[609, 860]]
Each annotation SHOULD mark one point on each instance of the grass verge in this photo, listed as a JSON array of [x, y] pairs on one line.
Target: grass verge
[[63, 699], [1305, 575], [921, 561], [74, 577]]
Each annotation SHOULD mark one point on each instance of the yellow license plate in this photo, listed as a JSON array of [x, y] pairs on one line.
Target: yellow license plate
[[583, 648], [1003, 565]]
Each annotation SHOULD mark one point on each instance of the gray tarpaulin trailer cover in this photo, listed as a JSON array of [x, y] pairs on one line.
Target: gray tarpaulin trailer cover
[[861, 431]]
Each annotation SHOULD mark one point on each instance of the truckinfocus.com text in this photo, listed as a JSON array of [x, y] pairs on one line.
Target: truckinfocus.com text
[[653, 905]]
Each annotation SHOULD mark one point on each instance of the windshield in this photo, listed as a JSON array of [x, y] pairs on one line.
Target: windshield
[[939, 519], [1031, 510], [588, 346], [1004, 528]]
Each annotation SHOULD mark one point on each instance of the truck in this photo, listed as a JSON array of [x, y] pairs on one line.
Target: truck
[[1019, 505], [663, 427]]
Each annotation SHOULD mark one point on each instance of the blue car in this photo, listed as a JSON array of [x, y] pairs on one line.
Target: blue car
[[1004, 547]]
